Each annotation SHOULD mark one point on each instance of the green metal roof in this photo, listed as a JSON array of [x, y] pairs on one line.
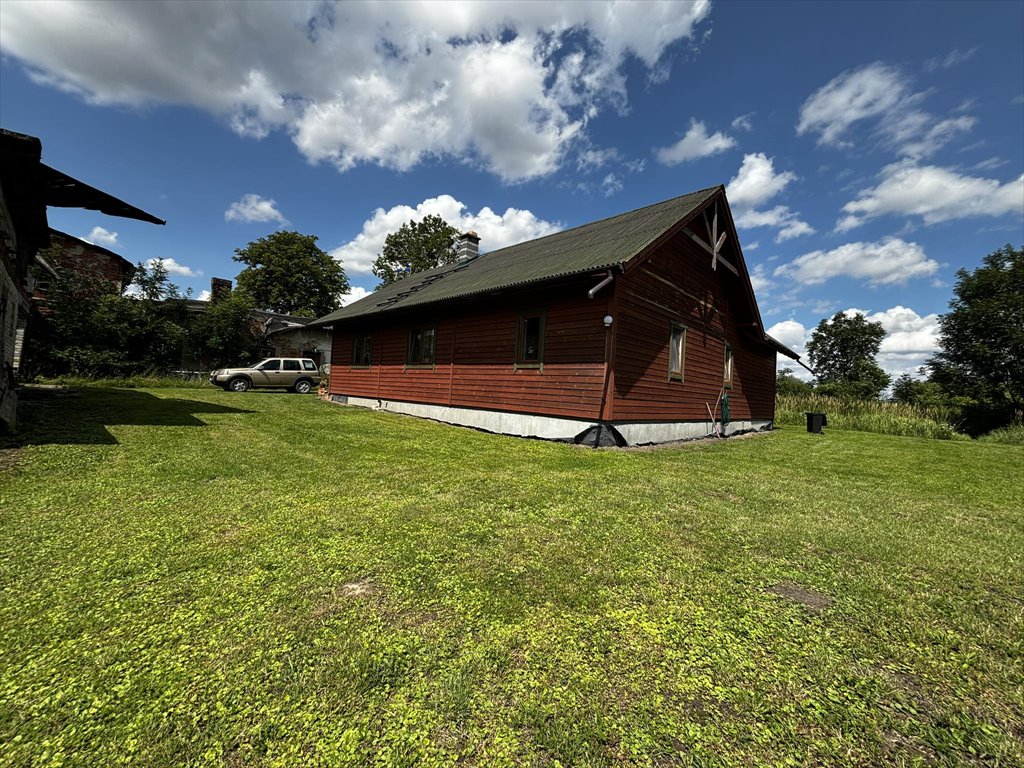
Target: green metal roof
[[600, 245]]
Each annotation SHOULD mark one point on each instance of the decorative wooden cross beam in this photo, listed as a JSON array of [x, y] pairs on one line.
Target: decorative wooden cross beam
[[718, 240]]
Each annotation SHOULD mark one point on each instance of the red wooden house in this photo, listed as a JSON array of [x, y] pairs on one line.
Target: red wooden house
[[639, 328]]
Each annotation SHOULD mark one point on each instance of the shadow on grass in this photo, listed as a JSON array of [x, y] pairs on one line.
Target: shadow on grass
[[81, 417]]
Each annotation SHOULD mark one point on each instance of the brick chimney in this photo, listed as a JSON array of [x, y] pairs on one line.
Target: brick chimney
[[219, 288], [467, 247]]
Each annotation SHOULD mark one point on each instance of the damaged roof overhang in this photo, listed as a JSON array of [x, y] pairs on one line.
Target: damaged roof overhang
[[63, 191]]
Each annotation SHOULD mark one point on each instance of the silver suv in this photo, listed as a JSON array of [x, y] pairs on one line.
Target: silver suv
[[299, 374]]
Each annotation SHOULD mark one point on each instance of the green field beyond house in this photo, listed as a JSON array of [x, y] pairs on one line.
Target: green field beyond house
[[192, 577]]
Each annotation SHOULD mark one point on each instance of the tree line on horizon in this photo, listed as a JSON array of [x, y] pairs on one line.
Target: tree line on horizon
[[977, 374]]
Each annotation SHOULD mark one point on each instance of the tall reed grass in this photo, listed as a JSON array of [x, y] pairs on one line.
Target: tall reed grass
[[869, 416]]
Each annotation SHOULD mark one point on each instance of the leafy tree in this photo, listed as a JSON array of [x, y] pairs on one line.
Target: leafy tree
[[982, 340], [152, 283], [93, 332], [788, 384], [226, 334], [288, 273], [417, 246], [842, 353], [906, 389]]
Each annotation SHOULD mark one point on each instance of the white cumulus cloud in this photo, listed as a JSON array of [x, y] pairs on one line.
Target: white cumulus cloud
[[355, 294], [496, 231], [101, 236], [755, 184], [254, 208], [507, 86], [891, 261], [794, 335], [909, 341], [204, 295], [695, 144], [174, 268], [934, 194]]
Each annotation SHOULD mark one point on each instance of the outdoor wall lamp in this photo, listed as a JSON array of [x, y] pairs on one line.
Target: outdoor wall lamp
[[607, 321]]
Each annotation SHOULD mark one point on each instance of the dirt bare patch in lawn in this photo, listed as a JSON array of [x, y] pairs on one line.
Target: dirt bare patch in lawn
[[360, 589], [809, 598]]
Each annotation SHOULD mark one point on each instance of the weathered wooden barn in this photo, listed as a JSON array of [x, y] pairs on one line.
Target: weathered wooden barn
[[639, 328]]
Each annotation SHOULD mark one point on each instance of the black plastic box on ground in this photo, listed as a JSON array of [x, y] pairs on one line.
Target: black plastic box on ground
[[815, 421]]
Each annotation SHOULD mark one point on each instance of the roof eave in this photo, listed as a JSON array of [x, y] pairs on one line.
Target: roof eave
[[63, 191]]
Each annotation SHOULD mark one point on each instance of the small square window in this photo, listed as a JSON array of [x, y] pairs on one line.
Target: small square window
[[530, 341], [677, 351], [291, 365], [421, 346], [362, 350], [729, 366]]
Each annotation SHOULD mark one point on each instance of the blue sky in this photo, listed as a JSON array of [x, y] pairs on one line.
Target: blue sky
[[869, 149]]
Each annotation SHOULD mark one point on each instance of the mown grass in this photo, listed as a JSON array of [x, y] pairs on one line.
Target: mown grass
[[877, 416], [202, 578]]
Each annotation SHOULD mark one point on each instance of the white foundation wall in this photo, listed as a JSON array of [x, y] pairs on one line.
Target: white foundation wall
[[645, 433], [501, 422], [550, 427]]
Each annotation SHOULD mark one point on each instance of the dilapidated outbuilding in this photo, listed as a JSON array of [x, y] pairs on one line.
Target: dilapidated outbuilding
[[27, 187]]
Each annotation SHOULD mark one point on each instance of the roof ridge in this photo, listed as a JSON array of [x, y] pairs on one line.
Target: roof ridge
[[606, 218]]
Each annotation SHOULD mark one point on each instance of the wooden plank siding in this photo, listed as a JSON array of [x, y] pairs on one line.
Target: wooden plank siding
[[676, 283], [475, 354]]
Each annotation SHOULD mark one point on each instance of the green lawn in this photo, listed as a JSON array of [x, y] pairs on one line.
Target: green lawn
[[193, 577]]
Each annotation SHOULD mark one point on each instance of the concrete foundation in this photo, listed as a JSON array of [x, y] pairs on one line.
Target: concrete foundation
[[554, 428]]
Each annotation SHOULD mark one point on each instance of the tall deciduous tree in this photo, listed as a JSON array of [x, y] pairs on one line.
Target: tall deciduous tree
[[415, 247], [842, 353], [287, 272], [982, 339]]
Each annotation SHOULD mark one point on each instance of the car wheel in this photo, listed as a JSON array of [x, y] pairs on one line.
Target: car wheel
[[303, 386], [239, 385]]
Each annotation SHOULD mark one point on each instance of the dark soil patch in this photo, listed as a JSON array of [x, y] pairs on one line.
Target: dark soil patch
[[809, 598]]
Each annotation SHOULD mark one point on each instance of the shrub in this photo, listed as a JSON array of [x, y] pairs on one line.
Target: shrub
[[1012, 435]]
